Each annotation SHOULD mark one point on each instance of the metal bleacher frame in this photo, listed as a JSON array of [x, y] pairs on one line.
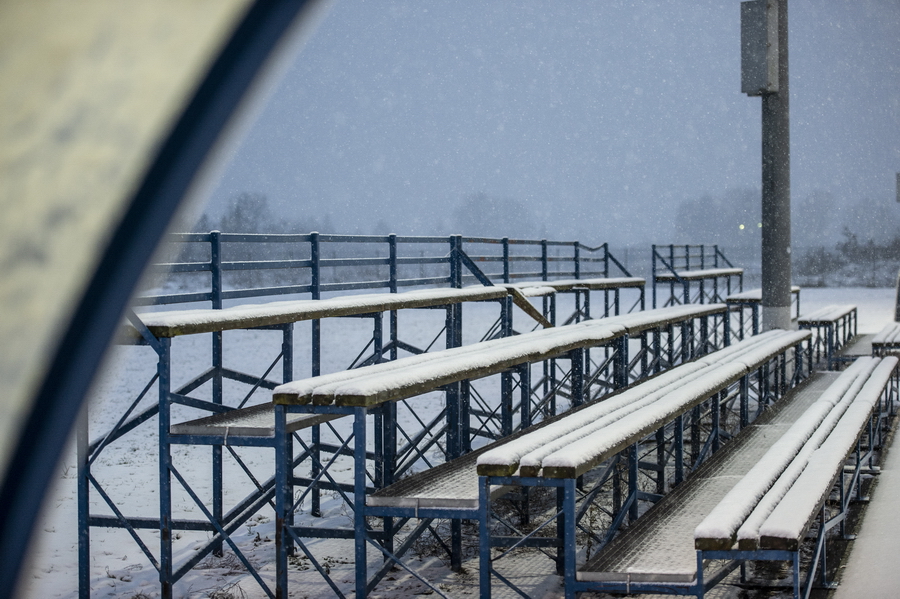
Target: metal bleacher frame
[[313, 260], [692, 274]]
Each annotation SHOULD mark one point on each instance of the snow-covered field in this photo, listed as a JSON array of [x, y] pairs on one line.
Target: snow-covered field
[[129, 470]]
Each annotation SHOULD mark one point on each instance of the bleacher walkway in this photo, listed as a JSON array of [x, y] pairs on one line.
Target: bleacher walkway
[[871, 569]]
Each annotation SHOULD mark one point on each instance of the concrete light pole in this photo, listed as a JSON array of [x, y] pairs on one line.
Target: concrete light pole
[[764, 72]]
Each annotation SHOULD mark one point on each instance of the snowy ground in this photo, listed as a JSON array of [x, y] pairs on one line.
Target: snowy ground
[[129, 473]]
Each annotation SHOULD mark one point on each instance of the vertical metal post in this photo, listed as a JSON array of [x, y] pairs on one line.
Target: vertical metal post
[[776, 191], [392, 248], [506, 404], [484, 537], [569, 537], [465, 424], [283, 498], [577, 376], [606, 259], [316, 369], [620, 363], [745, 401], [165, 474], [84, 506], [544, 265], [695, 435], [506, 259], [525, 394], [653, 274], [661, 460], [218, 365], [577, 259], [359, 499], [633, 482], [715, 412], [678, 440], [287, 449]]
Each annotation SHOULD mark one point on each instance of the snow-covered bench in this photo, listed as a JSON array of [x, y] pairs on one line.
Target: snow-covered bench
[[834, 326], [887, 340], [581, 288], [566, 449], [752, 299], [450, 490], [769, 512], [702, 278], [247, 316]]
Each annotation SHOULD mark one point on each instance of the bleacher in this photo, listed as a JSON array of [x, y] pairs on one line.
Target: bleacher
[[657, 413]]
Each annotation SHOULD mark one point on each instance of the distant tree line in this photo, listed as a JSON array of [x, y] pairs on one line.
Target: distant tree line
[[849, 263]]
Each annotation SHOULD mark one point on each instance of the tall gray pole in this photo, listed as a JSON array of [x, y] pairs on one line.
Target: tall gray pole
[[776, 191]]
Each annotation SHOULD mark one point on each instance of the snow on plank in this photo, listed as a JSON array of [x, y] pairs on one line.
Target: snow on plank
[[827, 314], [190, 322], [758, 355], [301, 391], [637, 322], [753, 296], [593, 284], [255, 421], [749, 534], [719, 529], [695, 275], [577, 459], [475, 363], [504, 460], [888, 336]]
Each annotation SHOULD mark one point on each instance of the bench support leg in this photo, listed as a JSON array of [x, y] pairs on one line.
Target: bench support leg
[[165, 476], [569, 546], [359, 500], [484, 538]]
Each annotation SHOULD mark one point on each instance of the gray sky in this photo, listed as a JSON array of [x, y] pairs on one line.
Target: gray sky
[[600, 117]]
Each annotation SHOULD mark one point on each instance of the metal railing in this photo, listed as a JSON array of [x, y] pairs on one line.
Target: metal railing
[[215, 267]]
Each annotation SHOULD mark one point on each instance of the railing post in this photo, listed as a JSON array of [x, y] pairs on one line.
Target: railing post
[[455, 261], [653, 274], [215, 266], [577, 259], [606, 259], [544, 269], [315, 366], [392, 247], [215, 239], [506, 259]]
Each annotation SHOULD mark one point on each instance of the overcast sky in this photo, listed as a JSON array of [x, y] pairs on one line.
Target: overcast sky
[[600, 117]]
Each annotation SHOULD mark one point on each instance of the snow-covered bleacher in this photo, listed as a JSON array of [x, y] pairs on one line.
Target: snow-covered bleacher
[[758, 497], [563, 452], [833, 326], [684, 274], [752, 300], [450, 490]]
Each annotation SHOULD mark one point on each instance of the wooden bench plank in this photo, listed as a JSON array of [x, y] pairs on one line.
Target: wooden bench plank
[[255, 421], [574, 446], [191, 322], [660, 545], [753, 296], [595, 284], [745, 503], [827, 314], [786, 527], [696, 275]]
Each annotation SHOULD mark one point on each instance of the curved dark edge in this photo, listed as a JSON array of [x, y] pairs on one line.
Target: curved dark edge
[[57, 403]]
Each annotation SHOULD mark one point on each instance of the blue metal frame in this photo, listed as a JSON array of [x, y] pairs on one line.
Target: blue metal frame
[[668, 260], [831, 337], [772, 382]]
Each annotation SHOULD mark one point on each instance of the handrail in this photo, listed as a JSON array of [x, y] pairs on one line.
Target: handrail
[[216, 266]]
